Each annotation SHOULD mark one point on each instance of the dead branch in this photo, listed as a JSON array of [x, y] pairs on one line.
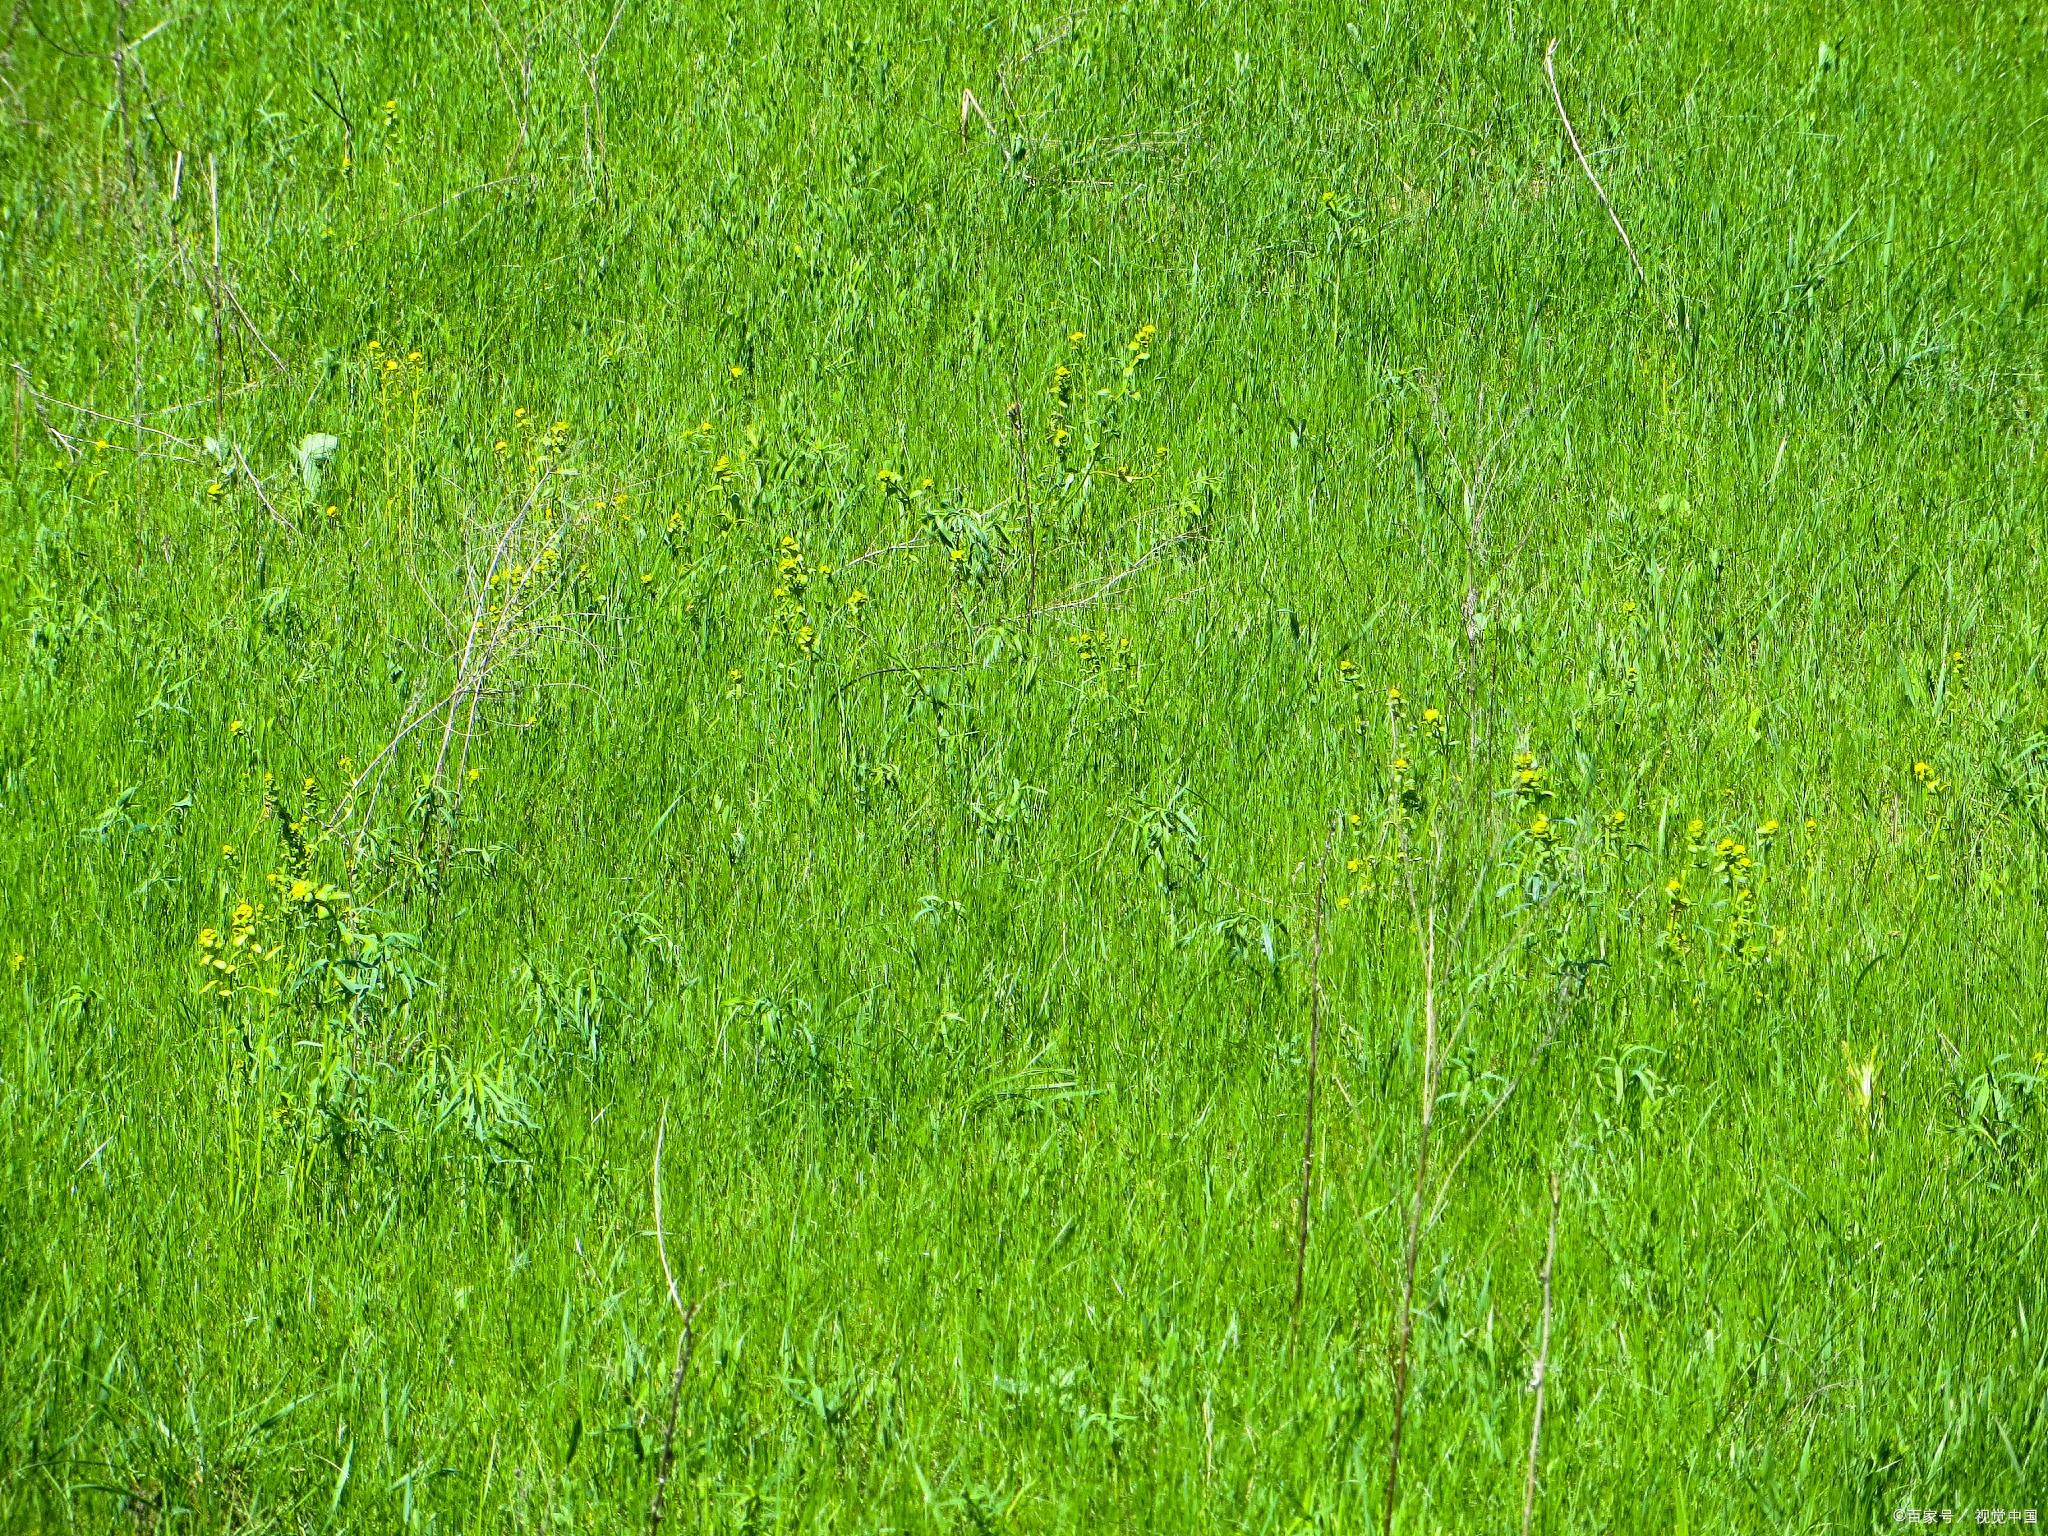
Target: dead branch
[[686, 1346], [1540, 1377], [1550, 74], [1308, 1114]]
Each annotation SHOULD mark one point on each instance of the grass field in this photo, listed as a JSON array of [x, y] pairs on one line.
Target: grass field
[[576, 581]]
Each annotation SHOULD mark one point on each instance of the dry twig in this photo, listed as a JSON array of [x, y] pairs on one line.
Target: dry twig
[[1404, 1334], [179, 449], [970, 108], [503, 622], [1308, 1115], [1102, 589], [1540, 1377], [1024, 490], [686, 1346], [1550, 74]]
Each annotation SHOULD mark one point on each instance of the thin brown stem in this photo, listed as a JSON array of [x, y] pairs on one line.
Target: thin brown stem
[[1405, 1322], [1103, 588], [1540, 1377], [1550, 74], [219, 363], [1030, 514], [686, 1346], [133, 194], [970, 108], [1308, 1114]]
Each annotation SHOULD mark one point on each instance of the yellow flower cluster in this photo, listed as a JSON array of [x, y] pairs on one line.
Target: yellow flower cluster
[[792, 584], [222, 960], [387, 364], [1094, 647], [1532, 780]]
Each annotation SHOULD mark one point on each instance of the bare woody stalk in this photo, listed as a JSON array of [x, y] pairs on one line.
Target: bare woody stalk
[[484, 634], [1030, 514], [970, 108], [133, 193], [686, 1346], [1540, 1377], [596, 155], [1404, 1324], [492, 639], [1476, 484], [171, 446], [1308, 1113], [219, 354], [1422, 907], [1550, 74]]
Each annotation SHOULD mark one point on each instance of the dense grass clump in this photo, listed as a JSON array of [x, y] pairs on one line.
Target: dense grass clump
[[953, 611]]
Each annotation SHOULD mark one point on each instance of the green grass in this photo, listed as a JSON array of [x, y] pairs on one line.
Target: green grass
[[969, 951]]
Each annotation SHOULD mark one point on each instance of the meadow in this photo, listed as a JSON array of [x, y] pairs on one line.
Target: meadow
[[774, 766]]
